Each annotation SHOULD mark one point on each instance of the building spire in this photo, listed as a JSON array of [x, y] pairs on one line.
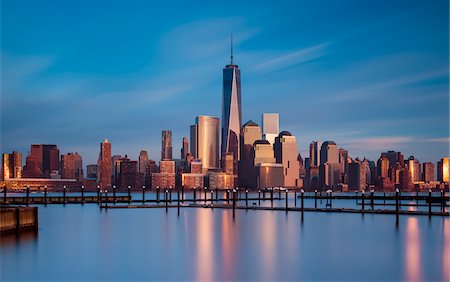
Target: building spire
[[231, 49]]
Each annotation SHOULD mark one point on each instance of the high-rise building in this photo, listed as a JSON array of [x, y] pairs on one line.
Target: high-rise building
[[128, 175], [12, 165], [184, 148], [143, 162], [104, 165], [263, 152], [194, 179], [165, 178], [383, 167], [42, 161], [357, 177], [395, 158], [414, 169], [229, 164], [71, 166], [428, 172], [250, 133], [443, 170], [343, 164], [269, 175], [205, 141], [231, 111], [329, 153], [91, 171], [271, 126], [314, 153], [166, 145], [285, 150]]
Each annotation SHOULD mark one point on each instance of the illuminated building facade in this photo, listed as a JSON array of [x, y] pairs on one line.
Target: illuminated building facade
[[443, 170], [104, 165], [166, 145], [205, 138], [12, 165], [427, 172], [286, 152], [270, 126], [250, 133], [71, 166]]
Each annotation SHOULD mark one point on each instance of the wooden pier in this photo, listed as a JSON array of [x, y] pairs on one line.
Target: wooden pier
[[18, 219]]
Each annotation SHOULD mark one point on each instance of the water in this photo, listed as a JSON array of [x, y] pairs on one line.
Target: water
[[85, 243]]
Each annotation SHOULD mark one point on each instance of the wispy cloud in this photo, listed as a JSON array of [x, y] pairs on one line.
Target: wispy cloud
[[378, 143], [438, 140], [293, 58]]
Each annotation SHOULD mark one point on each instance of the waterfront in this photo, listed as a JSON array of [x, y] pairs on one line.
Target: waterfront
[[85, 243]]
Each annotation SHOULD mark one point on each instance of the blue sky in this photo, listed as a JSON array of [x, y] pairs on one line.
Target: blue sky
[[370, 75]]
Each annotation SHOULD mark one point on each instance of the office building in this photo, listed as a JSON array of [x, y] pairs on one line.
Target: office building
[[165, 178], [166, 145], [231, 111], [91, 171], [143, 162], [414, 169], [184, 148], [285, 151], [12, 165], [221, 180], [71, 166], [329, 153], [314, 153], [271, 127], [129, 176], [250, 133], [357, 176], [443, 170], [42, 161], [269, 175], [195, 178], [205, 140], [428, 172], [104, 165]]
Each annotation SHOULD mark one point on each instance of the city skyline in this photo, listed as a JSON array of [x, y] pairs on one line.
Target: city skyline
[[406, 80]]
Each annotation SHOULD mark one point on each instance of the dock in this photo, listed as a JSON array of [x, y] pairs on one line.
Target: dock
[[18, 219]]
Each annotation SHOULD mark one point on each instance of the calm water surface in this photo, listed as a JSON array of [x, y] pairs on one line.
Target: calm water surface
[[85, 243]]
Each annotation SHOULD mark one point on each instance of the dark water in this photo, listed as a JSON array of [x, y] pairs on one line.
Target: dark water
[[84, 243]]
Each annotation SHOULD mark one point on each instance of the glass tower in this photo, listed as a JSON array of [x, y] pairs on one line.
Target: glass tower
[[231, 111]]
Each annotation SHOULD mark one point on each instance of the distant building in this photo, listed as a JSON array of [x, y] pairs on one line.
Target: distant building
[[405, 180], [91, 171], [221, 180], [414, 169], [231, 112], [285, 149], [443, 170], [269, 175], [250, 133], [184, 148], [129, 175], [104, 165], [384, 182], [71, 166], [357, 177], [143, 162], [428, 172], [314, 153], [12, 165], [194, 179], [166, 145], [329, 169], [229, 164], [205, 140], [42, 161], [271, 126], [343, 164], [165, 178]]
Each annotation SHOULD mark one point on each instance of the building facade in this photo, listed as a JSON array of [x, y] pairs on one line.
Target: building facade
[[12, 165], [104, 165], [285, 151], [271, 126], [166, 145], [71, 166], [250, 133], [205, 138]]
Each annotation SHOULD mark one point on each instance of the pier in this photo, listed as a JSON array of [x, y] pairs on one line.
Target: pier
[[18, 219]]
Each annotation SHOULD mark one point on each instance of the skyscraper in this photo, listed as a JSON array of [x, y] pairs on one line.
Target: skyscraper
[[285, 149], [329, 171], [42, 161], [166, 145], [205, 141], [414, 169], [314, 153], [12, 165], [104, 165], [443, 169], [71, 166], [231, 110], [329, 153], [428, 172], [143, 162], [271, 126], [250, 133], [184, 148]]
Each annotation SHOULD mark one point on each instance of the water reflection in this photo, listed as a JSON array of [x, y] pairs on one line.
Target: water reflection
[[268, 240], [228, 244], [446, 252], [13, 239], [412, 248], [205, 245]]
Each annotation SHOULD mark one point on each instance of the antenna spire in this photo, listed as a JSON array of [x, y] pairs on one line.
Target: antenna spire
[[231, 49]]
